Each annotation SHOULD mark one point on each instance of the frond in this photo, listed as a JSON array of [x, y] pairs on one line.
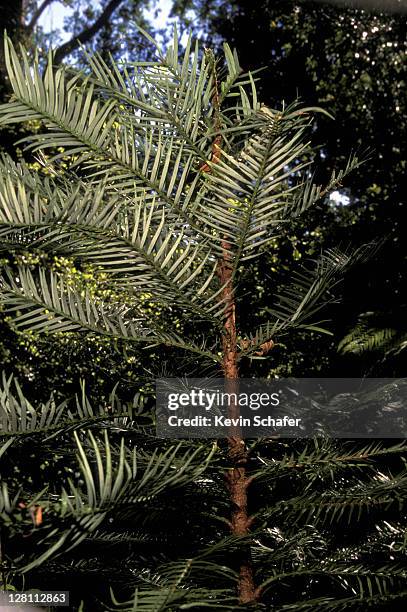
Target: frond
[[188, 86], [112, 479], [365, 338], [131, 148], [310, 193], [179, 583], [248, 191], [322, 457], [155, 600], [365, 580], [92, 129], [20, 417], [259, 343], [352, 503], [50, 303], [300, 299], [132, 243]]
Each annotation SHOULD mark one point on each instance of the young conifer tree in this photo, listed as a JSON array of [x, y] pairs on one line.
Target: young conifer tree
[[176, 178]]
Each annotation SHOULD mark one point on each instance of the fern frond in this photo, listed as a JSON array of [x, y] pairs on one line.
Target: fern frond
[[354, 501], [324, 457], [364, 339], [49, 303], [301, 298], [20, 417], [133, 245], [248, 191]]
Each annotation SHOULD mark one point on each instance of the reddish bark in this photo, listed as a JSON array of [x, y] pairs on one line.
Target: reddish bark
[[237, 478]]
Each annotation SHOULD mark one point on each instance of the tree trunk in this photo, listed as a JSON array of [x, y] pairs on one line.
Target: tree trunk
[[237, 478]]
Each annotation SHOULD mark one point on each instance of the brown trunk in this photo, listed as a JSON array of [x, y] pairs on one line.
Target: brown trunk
[[237, 478]]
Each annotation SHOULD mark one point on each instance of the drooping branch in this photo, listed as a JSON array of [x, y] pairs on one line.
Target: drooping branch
[[37, 14], [87, 33]]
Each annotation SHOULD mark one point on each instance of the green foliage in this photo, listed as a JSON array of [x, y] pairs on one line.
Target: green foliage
[[141, 196], [94, 475], [373, 339], [111, 500], [164, 233], [352, 62], [363, 338]]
